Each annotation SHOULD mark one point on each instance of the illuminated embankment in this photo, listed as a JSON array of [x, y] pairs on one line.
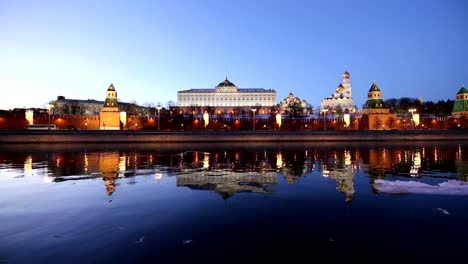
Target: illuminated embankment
[[96, 136]]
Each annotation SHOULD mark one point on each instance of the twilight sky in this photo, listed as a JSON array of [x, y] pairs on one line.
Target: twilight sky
[[151, 49]]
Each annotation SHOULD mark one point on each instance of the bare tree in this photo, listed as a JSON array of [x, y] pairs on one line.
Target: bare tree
[[149, 104], [170, 104]]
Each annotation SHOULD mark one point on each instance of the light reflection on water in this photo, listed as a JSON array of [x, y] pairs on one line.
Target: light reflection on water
[[229, 171], [167, 183]]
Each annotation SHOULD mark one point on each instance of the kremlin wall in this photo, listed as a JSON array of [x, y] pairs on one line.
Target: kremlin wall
[[228, 107]]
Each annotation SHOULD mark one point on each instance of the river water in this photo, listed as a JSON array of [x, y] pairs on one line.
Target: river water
[[173, 203]]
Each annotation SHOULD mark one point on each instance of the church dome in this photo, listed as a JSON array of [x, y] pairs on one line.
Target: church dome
[[346, 74], [225, 83], [340, 88]]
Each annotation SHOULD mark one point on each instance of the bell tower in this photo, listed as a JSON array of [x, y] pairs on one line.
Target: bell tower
[[346, 84]]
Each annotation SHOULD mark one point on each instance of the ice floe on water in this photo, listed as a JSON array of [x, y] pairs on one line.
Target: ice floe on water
[[450, 187], [442, 210]]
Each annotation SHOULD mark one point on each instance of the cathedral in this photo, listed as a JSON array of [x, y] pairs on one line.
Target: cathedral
[[341, 100]]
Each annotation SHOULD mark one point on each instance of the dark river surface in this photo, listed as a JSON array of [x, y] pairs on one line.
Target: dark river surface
[[225, 202]]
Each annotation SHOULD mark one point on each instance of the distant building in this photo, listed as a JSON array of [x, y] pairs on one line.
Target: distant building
[[63, 106], [294, 106], [376, 115], [226, 94], [460, 108], [341, 100]]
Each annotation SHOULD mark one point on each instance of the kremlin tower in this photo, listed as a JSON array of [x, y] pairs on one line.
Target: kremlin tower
[[375, 114], [109, 117], [460, 107]]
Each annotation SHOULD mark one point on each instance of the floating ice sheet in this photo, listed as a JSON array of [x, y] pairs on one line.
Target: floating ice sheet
[[450, 187]]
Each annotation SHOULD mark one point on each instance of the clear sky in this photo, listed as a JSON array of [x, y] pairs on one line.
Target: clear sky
[[152, 49]]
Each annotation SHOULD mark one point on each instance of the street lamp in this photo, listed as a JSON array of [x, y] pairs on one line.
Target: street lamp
[[206, 119], [51, 108], [324, 111], [253, 121], [412, 110], [159, 117], [278, 120]]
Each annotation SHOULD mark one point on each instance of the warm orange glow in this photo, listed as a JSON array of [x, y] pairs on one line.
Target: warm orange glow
[[30, 116]]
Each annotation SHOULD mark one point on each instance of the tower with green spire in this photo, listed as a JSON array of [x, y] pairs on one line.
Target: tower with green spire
[[460, 107], [109, 117], [375, 103], [375, 114], [111, 98]]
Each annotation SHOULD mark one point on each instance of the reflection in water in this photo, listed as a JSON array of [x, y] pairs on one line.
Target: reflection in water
[[122, 166], [206, 161], [28, 165], [415, 168], [279, 160], [226, 176], [227, 183], [167, 201], [342, 171], [227, 171]]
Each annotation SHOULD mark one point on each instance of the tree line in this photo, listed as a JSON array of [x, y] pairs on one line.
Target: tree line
[[403, 104]]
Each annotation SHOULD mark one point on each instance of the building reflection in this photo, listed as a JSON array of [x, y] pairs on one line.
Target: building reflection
[[28, 166], [226, 173], [341, 167], [229, 171]]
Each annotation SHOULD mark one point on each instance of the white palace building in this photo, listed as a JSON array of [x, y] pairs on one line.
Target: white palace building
[[227, 94]]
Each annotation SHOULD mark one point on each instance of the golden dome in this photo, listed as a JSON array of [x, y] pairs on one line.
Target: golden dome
[[340, 88]]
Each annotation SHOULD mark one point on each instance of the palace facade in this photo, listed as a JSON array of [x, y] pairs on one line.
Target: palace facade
[[227, 94]]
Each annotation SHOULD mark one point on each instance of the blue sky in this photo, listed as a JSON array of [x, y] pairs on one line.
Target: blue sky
[[152, 49]]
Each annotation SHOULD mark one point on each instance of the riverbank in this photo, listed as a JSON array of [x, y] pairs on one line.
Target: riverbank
[[100, 136]]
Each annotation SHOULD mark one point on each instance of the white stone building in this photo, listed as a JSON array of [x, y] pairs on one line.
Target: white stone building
[[226, 94], [342, 98]]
